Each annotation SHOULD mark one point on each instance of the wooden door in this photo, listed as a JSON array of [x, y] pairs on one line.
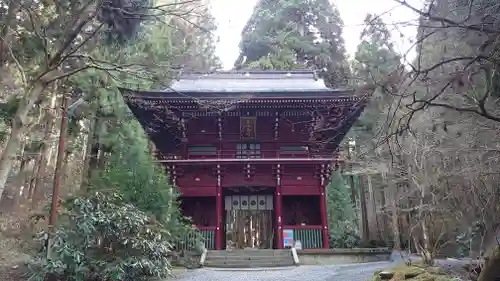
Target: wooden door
[[248, 227]]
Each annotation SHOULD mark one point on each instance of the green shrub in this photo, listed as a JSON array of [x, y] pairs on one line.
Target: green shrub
[[344, 235], [101, 238], [341, 214]]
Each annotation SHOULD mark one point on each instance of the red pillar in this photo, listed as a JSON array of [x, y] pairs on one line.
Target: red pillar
[[218, 210], [279, 218], [324, 217]]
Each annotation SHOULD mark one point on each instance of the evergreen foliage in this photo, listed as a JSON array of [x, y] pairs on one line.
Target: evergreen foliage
[[126, 221], [341, 214], [103, 238], [131, 171], [374, 59], [129, 168], [375, 55], [295, 34]]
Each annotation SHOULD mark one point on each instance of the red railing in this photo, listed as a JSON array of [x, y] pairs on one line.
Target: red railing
[[302, 227], [251, 154], [229, 136]]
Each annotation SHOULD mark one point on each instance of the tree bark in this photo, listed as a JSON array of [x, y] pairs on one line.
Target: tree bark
[[21, 180], [18, 129], [32, 178], [94, 148], [46, 152], [373, 205], [40, 175], [87, 156], [427, 254], [64, 168], [491, 269], [101, 165], [11, 191], [364, 213], [394, 216], [94, 159], [6, 25], [395, 229]]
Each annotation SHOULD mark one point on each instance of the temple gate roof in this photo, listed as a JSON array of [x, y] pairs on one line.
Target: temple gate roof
[[249, 81], [162, 111], [260, 83]]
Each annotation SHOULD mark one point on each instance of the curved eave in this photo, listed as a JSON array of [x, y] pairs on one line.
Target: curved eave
[[264, 95], [334, 140], [154, 112]]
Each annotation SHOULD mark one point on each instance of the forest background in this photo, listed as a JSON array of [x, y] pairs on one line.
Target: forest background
[[426, 153]]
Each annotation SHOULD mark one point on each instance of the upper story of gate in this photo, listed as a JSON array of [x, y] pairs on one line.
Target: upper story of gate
[[246, 116]]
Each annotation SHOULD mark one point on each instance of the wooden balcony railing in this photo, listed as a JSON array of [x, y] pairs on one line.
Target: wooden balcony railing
[[251, 154], [310, 236]]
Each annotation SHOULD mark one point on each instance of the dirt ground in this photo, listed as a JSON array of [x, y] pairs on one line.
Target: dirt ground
[[12, 259], [16, 244]]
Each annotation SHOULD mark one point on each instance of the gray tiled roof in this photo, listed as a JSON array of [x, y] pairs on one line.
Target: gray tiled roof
[[249, 81]]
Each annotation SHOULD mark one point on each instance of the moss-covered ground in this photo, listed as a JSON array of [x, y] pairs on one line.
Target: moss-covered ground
[[414, 273]]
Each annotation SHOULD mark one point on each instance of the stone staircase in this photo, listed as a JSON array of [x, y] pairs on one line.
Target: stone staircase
[[249, 258]]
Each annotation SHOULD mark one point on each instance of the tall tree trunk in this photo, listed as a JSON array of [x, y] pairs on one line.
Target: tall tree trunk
[[7, 20], [395, 228], [41, 173], [394, 212], [427, 253], [17, 131], [8, 202], [21, 180], [89, 145], [61, 152], [94, 159], [96, 147], [353, 189], [101, 165], [28, 177], [32, 179], [46, 152], [364, 213], [373, 204], [64, 168]]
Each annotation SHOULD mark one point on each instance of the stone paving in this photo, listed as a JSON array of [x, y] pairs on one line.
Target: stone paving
[[351, 272]]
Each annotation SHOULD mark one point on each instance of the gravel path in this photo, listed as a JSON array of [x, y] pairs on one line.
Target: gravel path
[[351, 272]]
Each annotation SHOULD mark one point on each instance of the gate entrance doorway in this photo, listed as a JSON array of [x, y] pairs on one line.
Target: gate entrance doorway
[[249, 221]]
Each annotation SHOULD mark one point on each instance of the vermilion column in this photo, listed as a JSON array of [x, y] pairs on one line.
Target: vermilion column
[[218, 211], [324, 217], [279, 218]]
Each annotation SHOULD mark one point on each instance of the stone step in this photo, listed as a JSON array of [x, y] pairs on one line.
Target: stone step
[[261, 253], [248, 264], [249, 258]]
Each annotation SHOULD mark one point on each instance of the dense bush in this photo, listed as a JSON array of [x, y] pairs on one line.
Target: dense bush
[[344, 235], [102, 238], [341, 214], [133, 173]]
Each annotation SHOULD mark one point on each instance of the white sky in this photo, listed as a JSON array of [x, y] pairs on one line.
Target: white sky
[[232, 15]]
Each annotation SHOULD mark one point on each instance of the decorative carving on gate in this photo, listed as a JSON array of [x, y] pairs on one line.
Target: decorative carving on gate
[[248, 128]]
